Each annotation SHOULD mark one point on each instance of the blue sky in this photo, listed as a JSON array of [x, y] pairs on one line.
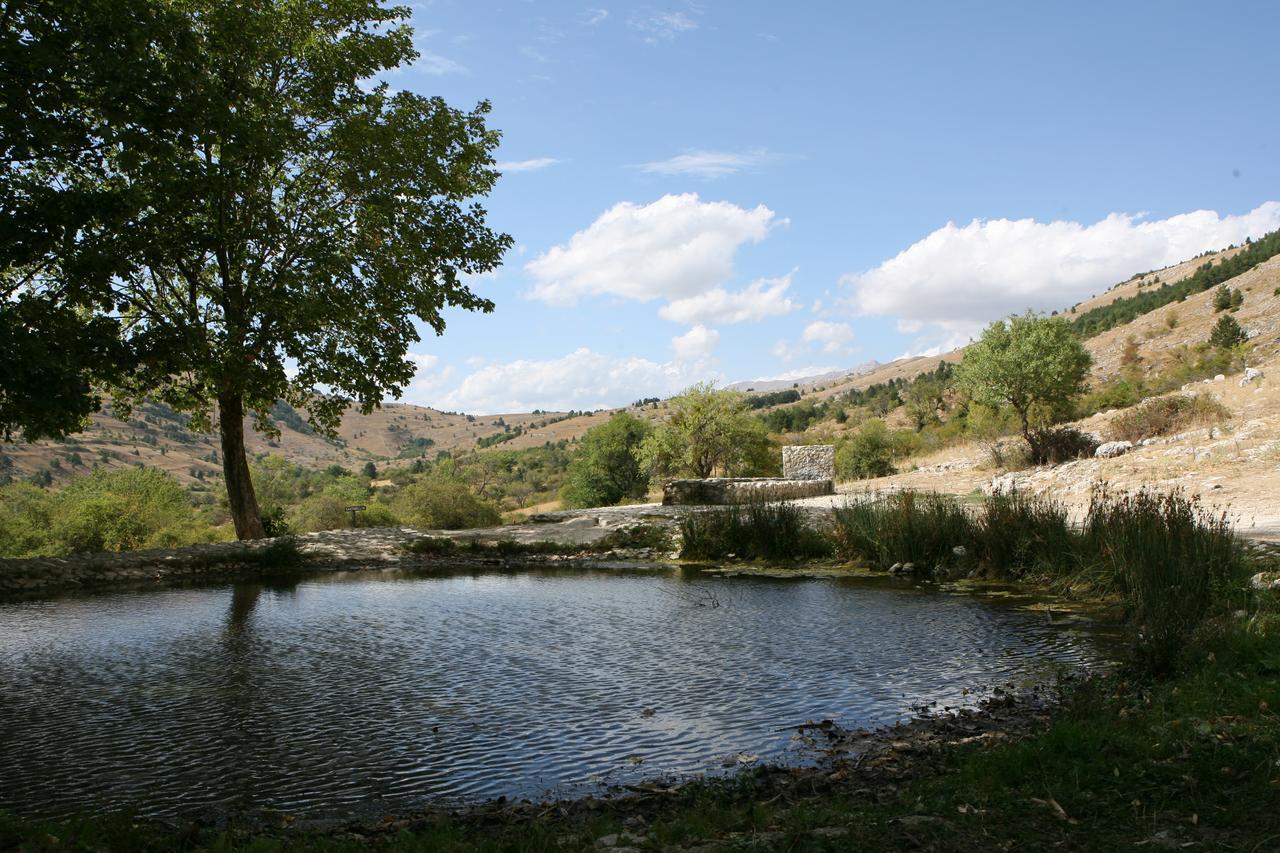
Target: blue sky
[[736, 190]]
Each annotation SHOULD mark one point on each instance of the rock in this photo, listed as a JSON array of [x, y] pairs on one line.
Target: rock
[[1251, 374], [902, 569], [959, 551], [1113, 448], [1220, 378], [895, 568], [1261, 581], [1147, 442]]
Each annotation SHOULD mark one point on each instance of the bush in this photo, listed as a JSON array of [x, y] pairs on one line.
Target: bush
[[907, 527], [1165, 415], [1055, 446], [868, 454], [441, 503], [125, 510], [757, 531]]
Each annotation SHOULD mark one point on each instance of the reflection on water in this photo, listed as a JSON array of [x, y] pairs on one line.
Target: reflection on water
[[383, 692]]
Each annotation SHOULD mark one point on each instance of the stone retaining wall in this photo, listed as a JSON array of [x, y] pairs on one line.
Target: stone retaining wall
[[809, 462], [740, 490]]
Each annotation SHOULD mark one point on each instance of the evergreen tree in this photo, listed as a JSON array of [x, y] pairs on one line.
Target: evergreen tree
[[1227, 333]]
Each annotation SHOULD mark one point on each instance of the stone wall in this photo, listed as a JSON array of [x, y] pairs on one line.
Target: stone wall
[[737, 490], [809, 462]]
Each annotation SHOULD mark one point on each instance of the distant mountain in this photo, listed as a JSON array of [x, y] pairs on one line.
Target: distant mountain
[[802, 381]]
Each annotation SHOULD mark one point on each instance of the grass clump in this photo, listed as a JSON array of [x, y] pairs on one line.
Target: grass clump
[[755, 531], [1014, 534], [923, 528], [1166, 415], [1171, 559]]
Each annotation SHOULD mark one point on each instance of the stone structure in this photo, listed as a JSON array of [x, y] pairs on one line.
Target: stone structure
[[809, 462], [740, 490]]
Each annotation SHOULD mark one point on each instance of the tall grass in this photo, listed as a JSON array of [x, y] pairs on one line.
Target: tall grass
[[1166, 556], [1171, 559], [755, 531], [1165, 415], [923, 528]]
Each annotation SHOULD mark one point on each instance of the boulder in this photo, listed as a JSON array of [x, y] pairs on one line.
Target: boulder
[[1113, 448], [1251, 374]]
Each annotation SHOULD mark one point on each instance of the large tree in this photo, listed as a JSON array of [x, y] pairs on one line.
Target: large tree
[[287, 216], [1033, 364], [707, 431]]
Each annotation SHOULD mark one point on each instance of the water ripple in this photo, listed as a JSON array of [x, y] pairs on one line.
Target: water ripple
[[384, 692]]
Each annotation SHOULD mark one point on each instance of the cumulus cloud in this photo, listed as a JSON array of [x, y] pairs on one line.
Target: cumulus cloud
[[798, 373], [707, 164], [583, 379], [763, 298], [674, 248], [525, 165], [427, 378], [833, 337], [661, 26], [696, 344], [960, 277]]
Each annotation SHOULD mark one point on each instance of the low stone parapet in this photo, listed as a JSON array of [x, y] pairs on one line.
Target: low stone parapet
[[741, 490]]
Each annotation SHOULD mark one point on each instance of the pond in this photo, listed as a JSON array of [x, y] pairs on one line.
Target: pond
[[375, 693]]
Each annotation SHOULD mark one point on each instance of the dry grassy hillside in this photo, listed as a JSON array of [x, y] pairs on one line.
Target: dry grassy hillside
[[403, 432]]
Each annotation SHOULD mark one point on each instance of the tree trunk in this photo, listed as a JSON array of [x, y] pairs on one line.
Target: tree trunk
[[235, 469]]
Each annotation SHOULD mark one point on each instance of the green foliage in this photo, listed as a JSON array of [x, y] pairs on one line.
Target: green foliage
[[1056, 445], [439, 502], [1222, 298], [707, 431], [605, 470], [1031, 363], [772, 398], [1165, 415], [1171, 558], [120, 510], [1227, 333], [870, 453], [906, 527], [280, 210], [1098, 320], [756, 531]]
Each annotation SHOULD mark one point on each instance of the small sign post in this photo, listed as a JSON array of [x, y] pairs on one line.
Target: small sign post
[[353, 510]]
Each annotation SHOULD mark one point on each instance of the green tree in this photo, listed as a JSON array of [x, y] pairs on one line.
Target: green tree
[[869, 453], [1030, 363], [1227, 333], [1222, 298], [923, 399], [440, 502], [291, 219], [605, 469], [706, 431], [370, 470]]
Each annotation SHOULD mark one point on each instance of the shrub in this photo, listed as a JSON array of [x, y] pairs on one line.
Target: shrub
[[756, 531], [1165, 415], [441, 503], [1222, 298], [906, 527], [868, 454], [1055, 446], [124, 510]]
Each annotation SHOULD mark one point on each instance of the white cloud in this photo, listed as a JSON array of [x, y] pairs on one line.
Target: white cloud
[[525, 165], [798, 373], [834, 337], [583, 379], [959, 278], [676, 247], [427, 378], [764, 297], [696, 344], [595, 16], [707, 164], [661, 26]]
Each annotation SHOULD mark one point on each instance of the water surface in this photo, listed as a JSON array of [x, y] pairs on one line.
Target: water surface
[[381, 692]]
